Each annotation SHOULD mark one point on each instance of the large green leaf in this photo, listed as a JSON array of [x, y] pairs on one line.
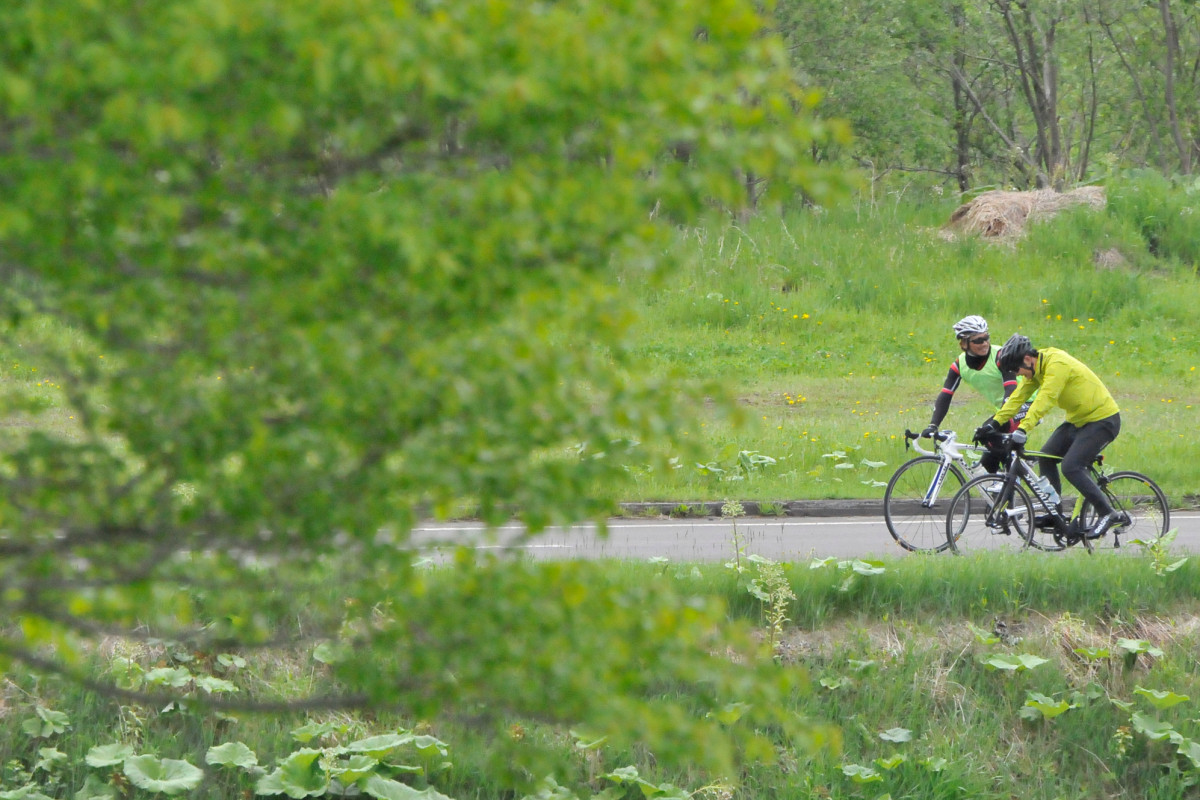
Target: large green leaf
[[352, 769], [162, 775], [896, 735], [1139, 646], [1161, 699], [108, 755], [298, 775], [174, 677], [46, 723], [231, 754], [1015, 663], [861, 774], [385, 789], [379, 746], [1047, 707], [1153, 728]]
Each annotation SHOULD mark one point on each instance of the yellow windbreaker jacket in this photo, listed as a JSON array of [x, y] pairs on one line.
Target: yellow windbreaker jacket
[[1063, 381]]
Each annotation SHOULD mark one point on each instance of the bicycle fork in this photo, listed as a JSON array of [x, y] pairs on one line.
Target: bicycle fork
[[935, 485]]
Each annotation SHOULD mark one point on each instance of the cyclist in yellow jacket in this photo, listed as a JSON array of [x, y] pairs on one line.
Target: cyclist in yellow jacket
[[1093, 418]]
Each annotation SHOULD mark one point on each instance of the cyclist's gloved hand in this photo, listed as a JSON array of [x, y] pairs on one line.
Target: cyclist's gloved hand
[[929, 431], [1018, 438], [987, 430]]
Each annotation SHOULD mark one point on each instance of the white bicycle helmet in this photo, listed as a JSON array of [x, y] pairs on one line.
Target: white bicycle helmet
[[970, 326]]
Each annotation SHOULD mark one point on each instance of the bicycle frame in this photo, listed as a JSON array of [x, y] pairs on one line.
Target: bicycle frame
[[1019, 469], [948, 449]]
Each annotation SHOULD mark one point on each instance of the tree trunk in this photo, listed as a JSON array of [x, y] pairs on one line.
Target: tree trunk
[[1171, 40]]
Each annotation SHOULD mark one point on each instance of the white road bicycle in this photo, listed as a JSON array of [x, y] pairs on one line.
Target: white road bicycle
[[918, 495]]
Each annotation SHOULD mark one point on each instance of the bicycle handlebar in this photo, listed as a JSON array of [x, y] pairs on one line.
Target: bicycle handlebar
[[910, 440]]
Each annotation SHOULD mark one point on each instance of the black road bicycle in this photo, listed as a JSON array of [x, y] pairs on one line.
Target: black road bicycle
[[1016, 509]]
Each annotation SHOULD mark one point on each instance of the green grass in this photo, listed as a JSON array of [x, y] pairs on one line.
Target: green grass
[[902, 663], [833, 331]]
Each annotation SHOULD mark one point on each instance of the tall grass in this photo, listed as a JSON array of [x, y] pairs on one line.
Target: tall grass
[[833, 329], [902, 677]]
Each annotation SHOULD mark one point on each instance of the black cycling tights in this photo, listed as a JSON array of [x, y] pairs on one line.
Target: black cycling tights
[[1079, 447]]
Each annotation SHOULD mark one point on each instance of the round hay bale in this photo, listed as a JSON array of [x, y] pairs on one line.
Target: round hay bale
[[1005, 215]]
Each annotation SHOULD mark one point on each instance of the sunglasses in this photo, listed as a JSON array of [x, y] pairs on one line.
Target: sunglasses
[[980, 339]]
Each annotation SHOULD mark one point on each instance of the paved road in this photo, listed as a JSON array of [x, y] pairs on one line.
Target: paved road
[[786, 539]]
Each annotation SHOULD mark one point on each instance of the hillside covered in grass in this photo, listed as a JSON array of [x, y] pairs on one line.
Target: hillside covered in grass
[[832, 328]]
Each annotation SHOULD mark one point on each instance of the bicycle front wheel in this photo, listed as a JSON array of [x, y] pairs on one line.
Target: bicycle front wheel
[[914, 508], [981, 518], [1140, 498]]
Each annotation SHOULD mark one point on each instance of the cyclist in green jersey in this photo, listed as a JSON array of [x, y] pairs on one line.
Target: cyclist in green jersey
[[975, 366], [1093, 418]]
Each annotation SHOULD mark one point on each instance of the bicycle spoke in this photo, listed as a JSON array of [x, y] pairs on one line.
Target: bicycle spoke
[[1140, 498], [912, 523], [976, 521]]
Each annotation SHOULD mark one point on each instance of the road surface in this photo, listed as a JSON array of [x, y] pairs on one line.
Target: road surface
[[680, 540]]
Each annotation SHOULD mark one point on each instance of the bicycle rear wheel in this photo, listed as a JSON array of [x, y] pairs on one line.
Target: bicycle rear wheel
[[976, 521], [916, 514], [1140, 498]]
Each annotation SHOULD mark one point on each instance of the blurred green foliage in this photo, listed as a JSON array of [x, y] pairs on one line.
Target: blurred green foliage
[[326, 268]]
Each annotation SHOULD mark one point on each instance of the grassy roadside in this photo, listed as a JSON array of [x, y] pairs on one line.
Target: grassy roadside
[[983, 677]]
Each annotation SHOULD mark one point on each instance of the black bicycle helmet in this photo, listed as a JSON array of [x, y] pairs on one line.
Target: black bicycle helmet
[[1012, 353]]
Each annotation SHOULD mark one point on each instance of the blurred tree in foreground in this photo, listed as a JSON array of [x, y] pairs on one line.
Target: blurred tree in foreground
[[328, 264]]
